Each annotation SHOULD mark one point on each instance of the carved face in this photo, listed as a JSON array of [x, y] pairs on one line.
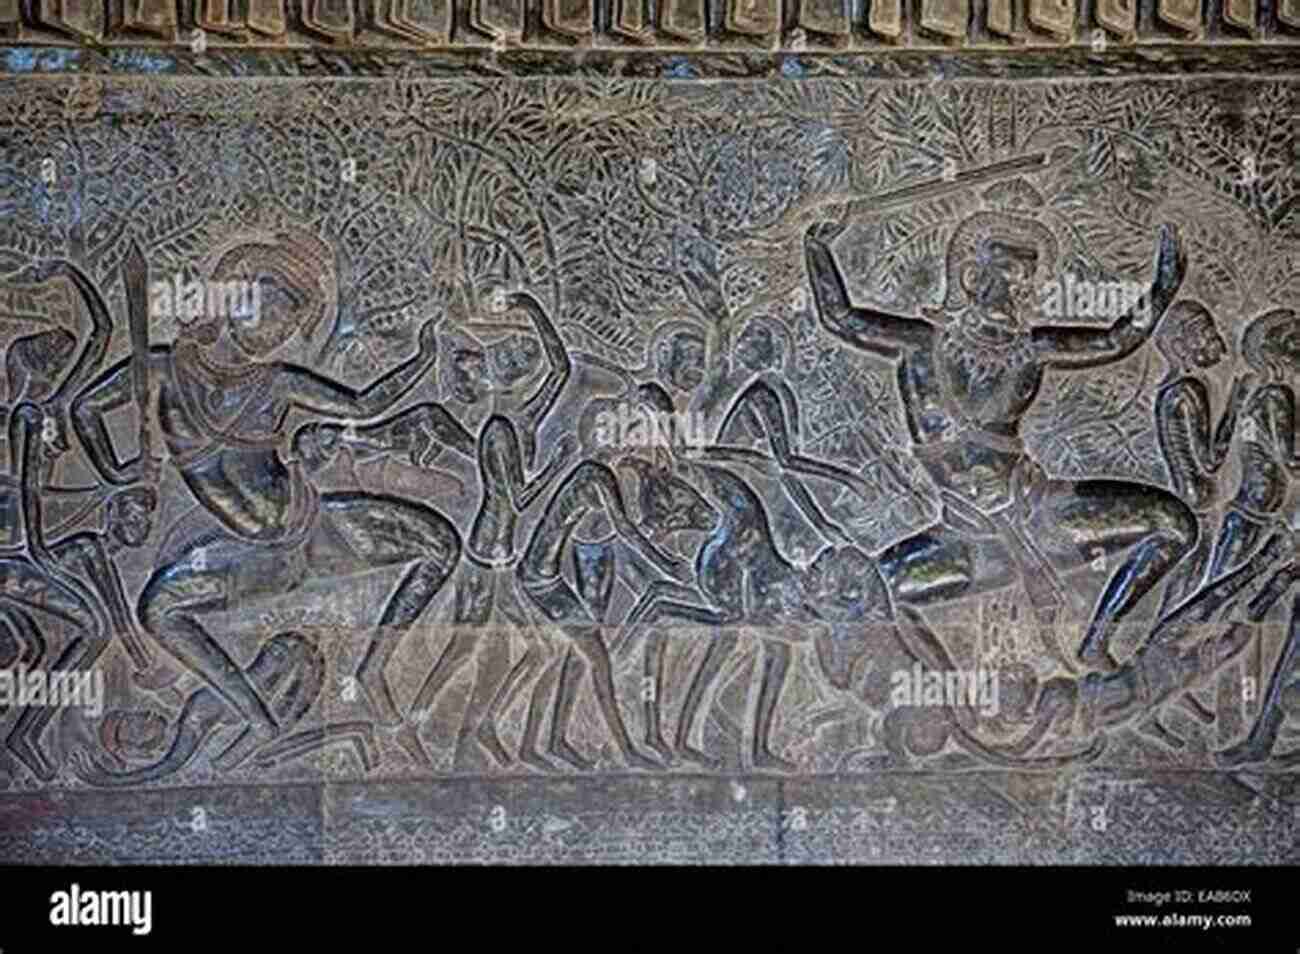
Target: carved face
[[756, 349], [514, 359], [1002, 278], [470, 381], [1284, 344], [686, 361], [263, 302], [843, 585], [130, 516], [669, 504], [133, 733], [34, 365], [1206, 345], [316, 444]]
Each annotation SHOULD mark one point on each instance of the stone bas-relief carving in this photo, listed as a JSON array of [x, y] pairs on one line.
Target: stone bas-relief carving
[[748, 445], [577, 25]]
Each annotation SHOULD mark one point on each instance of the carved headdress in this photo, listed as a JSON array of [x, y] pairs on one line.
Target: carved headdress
[[1271, 344], [298, 278], [970, 242]]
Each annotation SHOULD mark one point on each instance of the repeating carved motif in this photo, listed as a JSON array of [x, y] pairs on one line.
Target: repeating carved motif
[[579, 427], [568, 25]]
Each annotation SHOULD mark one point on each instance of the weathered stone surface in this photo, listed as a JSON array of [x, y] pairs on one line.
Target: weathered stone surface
[[522, 453]]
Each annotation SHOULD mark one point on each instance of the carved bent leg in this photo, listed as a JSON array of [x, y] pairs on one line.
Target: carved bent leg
[[943, 563], [768, 412], [780, 424], [1149, 528], [47, 595], [21, 642], [475, 591], [359, 735], [1158, 674], [594, 571], [1259, 742], [496, 683], [1219, 594], [210, 577], [359, 532], [289, 673], [542, 696]]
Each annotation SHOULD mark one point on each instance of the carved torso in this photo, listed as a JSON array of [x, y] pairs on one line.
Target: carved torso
[[964, 399]]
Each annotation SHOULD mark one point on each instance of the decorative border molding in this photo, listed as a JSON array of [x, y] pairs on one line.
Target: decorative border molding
[[576, 28]]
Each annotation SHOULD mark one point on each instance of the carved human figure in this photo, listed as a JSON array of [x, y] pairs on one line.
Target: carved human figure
[[260, 529], [966, 386], [74, 579], [589, 487], [289, 673], [1094, 706], [1266, 437], [1191, 343], [48, 368], [748, 584], [485, 609], [1267, 497]]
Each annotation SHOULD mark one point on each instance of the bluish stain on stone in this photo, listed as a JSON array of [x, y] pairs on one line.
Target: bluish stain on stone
[[20, 59], [790, 67], [679, 68], [26, 59], [56, 60], [139, 60]]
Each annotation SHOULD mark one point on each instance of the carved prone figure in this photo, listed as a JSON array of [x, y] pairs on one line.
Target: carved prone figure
[[288, 672]]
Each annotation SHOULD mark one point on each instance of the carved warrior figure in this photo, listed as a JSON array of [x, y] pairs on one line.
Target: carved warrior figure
[[40, 368], [1270, 480], [484, 592], [72, 580], [748, 584], [966, 386], [260, 529], [1190, 342], [589, 487]]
